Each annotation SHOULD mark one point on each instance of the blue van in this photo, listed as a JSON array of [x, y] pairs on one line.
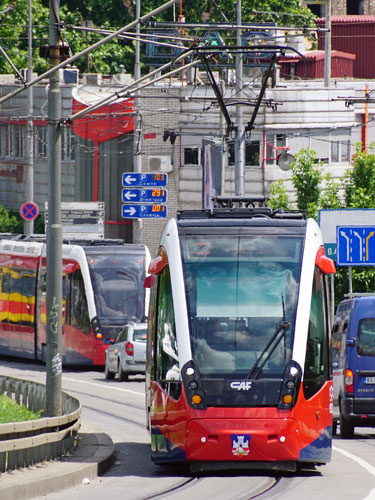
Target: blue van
[[353, 365]]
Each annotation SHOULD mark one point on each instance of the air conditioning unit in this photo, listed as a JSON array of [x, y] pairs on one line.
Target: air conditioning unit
[[92, 78], [160, 164], [70, 76]]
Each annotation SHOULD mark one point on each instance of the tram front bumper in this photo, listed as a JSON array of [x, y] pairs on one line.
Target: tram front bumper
[[242, 439]]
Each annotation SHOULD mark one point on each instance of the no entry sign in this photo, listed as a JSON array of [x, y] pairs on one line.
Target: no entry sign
[[29, 210]]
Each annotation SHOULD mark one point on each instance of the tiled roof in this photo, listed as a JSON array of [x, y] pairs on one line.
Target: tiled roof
[[316, 55], [348, 19]]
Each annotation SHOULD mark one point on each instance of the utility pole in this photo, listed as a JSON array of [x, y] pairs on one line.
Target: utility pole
[[240, 129], [137, 145], [54, 236], [327, 44], [29, 224]]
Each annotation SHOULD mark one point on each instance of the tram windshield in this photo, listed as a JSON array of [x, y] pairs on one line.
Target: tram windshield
[[117, 278], [241, 298]]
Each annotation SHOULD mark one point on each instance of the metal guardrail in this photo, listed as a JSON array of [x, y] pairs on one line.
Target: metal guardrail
[[26, 443]]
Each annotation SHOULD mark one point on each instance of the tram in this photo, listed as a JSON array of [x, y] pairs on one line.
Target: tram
[[102, 290], [238, 371]]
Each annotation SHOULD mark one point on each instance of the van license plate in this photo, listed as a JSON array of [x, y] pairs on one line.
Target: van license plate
[[369, 380]]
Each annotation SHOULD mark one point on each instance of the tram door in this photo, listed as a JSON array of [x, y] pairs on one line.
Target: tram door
[[165, 384]]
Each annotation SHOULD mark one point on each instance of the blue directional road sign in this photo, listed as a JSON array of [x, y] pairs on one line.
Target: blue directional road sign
[[144, 211], [136, 195], [136, 179], [355, 245]]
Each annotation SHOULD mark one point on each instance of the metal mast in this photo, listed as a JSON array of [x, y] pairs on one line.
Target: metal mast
[[240, 130], [54, 236], [29, 224]]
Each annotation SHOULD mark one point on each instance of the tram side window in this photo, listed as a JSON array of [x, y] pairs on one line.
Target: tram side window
[[28, 284], [5, 287], [21, 296], [79, 314], [316, 363], [167, 363]]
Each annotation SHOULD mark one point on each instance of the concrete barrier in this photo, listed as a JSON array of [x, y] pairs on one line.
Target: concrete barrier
[[26, 443]]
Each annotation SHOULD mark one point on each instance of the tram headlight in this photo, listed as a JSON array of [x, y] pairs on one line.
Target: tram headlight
[[290, 384], [193, 385]]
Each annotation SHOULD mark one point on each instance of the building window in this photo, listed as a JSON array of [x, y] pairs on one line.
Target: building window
[[67, 142], [17, 141], [192, 156], [251, 154], [40, 146], [355, 7], [12, 140], [340, 151], [274, 141]]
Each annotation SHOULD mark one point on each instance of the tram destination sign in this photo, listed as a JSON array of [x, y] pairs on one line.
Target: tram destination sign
[[130, 211], [136, 179], [137, 195]]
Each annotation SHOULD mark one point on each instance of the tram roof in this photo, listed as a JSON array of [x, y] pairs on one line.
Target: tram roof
[[239, 216]]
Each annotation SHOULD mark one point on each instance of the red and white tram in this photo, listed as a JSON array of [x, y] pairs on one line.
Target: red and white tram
[[238, 363], [102, 290]]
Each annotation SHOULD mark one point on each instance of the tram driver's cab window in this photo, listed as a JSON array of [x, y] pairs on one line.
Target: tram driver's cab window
[[79, 314], [167, 363]]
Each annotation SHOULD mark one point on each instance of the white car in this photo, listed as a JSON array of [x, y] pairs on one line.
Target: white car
[[127, 355]]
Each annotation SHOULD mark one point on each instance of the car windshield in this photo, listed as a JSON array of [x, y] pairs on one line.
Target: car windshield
[[241, 297], [117, 278]]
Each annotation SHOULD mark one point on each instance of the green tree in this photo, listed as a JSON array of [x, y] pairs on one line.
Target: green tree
[[10, 223], [306, 178], [278, 196], [359, 182], [114, 14]]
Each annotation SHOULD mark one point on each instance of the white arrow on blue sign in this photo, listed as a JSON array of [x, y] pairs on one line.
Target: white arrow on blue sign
[[144, 211], [355, 245], [136, 179], [136, 195]]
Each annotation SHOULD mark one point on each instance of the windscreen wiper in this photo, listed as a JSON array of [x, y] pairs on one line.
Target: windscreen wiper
[[271, 345]]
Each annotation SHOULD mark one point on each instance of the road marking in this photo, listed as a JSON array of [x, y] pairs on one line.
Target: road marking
[[79, 381], [359, 460], [362, 463]]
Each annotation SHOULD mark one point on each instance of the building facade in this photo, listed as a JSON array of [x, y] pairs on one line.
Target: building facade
[[176, 116]]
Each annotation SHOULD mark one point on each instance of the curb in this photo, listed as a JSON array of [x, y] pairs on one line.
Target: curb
[[92, 458]]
